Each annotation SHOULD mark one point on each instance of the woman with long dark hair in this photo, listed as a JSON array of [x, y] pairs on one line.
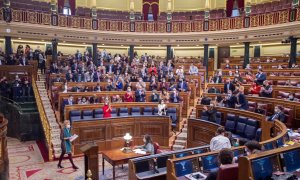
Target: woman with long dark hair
[[148, 146], [66, 146]]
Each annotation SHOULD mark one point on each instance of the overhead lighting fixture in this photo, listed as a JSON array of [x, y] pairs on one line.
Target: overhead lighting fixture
[[178, 45], [103, 44], [19, 38], [122, 45]]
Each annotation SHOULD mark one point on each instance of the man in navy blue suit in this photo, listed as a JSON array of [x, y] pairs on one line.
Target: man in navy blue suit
[[228, 86], [182, 85], [140, 94], [242, 102], [260, 77]]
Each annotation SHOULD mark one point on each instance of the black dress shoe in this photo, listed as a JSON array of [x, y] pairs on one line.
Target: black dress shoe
[[75, 167], [59, 166]]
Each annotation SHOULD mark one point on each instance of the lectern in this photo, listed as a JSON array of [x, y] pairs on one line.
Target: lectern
[[91, 161]]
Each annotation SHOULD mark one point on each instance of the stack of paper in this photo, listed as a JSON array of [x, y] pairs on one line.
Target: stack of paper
[[139, 151], [72, 138]]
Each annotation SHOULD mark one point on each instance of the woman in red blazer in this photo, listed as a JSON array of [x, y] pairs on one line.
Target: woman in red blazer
[[106, 110], [128, 96]]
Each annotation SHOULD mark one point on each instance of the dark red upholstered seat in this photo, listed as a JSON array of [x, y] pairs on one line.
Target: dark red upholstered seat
[[228, 172]]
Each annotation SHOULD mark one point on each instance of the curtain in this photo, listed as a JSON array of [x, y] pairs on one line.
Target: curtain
[[72, 6], [145, 11], [229, 7], [155, 8], [60, 4], [241, 5]]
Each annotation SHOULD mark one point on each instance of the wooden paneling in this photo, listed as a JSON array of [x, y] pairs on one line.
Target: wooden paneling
[[108, 133], [200, 132]]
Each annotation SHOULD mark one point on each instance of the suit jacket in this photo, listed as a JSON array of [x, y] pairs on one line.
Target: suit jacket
[[174, 99], [230, 103], [182, 85], [231, 87], [243, 101], [23, 63], [112, 68], [53, 69], [261, 77], [217, 79], [214, 90], [140, 97], [212, 114], [280, 116]]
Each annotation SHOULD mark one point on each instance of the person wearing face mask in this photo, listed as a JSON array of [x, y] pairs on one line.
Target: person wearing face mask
[[174, 97], [278, 114], [128, 97], [106, 109], [140, 94], [162, 108], [163, 84], [66, 145], [148, 145], [182, 86], [292, 98], [230, 100], [252, 147], [97, 88]]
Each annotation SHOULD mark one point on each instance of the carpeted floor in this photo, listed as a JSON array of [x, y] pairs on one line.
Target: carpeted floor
[[26, 162]]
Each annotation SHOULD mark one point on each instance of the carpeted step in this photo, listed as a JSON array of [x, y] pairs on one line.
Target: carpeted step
[[180, 142], [182, 136], [178, 147]]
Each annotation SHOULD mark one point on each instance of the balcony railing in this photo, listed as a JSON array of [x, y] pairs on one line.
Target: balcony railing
[[266, 19]]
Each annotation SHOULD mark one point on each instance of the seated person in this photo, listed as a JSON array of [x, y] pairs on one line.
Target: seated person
[[260, 76], [242, 102], [84, 101], [292, 97], [97, 88], [106, 109], [182, 86], [94, 99], [174, 97], [213, 90], [266, 89], [180, 71], [252, 147], [110, 86], [225, 157], [128, 97], [119, 84], [278, 114], [230, 100], [255, 88], [219, 101], [211, 112], [220, 141], [117, 99], [148, 146], [193, 70], [140, 94], [295, 66], [227, 66], [217, 79], [165, 95], [228, 85], [154, 96], [162, 108], [163, 84], [153, 83], [205, 100]]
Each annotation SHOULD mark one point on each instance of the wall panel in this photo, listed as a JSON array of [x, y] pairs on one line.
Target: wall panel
[[182, 52]]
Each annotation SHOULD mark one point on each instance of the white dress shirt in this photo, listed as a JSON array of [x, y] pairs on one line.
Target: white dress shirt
[[219, 142]]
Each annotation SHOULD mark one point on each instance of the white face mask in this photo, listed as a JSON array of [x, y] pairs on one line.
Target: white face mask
[[144, 140], [68, 126]]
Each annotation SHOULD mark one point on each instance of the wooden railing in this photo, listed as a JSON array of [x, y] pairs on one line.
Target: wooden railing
[[266, 19], [3, 148], [44, 120]]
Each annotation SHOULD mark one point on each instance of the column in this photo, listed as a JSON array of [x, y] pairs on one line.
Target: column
[[54, 49], [169, 52], [131, 53], [246, 54], [8, 45], [293, 52], [95, 53], [205, 61]]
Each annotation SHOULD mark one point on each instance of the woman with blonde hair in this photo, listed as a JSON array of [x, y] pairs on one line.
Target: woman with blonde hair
[[66, 145]]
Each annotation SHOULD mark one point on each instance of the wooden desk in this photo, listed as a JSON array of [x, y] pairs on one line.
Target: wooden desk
[[117, 157]]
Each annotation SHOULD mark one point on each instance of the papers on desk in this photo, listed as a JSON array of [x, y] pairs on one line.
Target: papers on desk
[[72, 138], [196, 176], [139, 151]]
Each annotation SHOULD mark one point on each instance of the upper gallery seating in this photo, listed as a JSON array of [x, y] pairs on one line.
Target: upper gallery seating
[[271, 7], [30, 5]]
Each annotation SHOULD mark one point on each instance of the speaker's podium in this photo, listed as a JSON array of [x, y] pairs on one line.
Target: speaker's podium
[[91, 163]]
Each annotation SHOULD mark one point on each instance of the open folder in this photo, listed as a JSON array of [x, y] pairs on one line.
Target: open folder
[[72, 138]]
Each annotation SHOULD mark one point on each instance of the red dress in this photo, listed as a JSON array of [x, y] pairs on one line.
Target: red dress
[[106, 114], [255, 89], [128, 98]]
